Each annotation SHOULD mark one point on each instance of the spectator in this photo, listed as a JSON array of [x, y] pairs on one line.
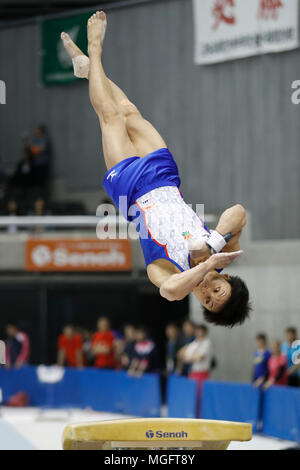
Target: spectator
[[39, 210], [290, 350], [277, 367], [41, 150], [261, 359], [128, 345], [24, 173], [39, 207], [103, 345], [188, 331], [174, 343], [118, 348], [17, 346], [198, 354], [88, 357], [70, 348], [12, 211], [144, 355], [188, 335]]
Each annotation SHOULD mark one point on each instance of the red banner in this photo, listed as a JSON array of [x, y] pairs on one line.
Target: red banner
[[78, 255]]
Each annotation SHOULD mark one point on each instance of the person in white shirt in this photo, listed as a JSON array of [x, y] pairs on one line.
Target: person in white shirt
[[198, 354]]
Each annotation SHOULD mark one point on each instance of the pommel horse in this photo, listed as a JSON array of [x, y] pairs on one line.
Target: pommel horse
[[155, 433]]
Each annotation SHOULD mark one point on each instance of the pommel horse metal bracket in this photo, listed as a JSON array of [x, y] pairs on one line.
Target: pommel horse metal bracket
[[156, 433]]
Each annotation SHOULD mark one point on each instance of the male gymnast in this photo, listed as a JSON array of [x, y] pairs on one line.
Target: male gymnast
[[182, 256]]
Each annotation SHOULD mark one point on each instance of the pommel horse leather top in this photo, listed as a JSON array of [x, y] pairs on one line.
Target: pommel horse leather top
[[155, 433]]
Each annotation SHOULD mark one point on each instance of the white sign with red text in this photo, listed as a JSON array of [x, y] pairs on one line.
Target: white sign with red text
[[232, 29]]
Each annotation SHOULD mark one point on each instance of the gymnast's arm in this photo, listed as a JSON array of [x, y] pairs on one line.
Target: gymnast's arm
[[233, 220], [178, 286]]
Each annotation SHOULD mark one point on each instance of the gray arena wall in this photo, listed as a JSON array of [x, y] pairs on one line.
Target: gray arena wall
[[231, 127]]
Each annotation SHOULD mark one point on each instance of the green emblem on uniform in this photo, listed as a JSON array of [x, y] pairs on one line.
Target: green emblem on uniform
[[186, 235]]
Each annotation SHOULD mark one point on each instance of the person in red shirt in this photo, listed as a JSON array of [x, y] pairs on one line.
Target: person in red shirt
[[70, 348], [277, 367], [103, 345]]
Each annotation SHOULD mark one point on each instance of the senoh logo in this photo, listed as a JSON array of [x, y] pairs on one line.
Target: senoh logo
[[78, 255], [41, 255], [166, 435]]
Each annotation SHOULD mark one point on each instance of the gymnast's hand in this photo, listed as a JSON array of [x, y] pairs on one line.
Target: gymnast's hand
[[221, 260]]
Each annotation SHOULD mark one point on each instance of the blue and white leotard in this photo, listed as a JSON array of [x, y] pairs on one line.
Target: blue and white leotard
[[147, 192]]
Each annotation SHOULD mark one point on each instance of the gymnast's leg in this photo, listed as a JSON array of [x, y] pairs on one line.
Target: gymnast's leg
[[117, 144], [143, 135]]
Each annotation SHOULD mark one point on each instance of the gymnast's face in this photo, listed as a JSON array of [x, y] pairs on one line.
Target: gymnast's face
[[214, 291]]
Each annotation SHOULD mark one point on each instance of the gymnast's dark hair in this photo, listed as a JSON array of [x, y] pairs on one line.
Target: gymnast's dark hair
[[236, 309]]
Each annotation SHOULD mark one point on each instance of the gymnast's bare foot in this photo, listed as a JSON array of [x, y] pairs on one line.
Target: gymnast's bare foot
[[96, 32], [70, 46]]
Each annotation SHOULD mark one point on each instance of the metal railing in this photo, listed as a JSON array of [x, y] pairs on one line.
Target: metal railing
[[81, 221], [65, 221]]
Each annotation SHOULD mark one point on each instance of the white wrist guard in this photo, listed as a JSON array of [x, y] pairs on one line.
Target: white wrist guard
[[216, 241]]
